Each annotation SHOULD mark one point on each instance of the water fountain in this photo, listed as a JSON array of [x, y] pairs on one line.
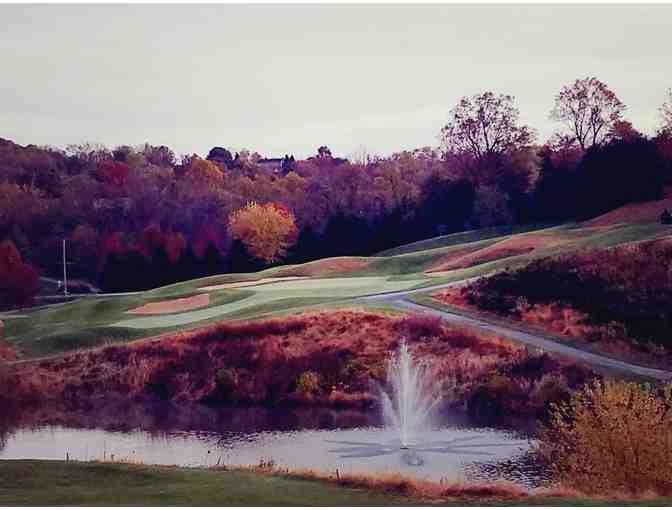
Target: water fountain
[[412, 396], [409, 400]]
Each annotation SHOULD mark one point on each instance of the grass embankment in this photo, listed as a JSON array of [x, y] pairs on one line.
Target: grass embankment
[[614, 301], [59, 483], [327, 358], [469, 236], [94, 321], [38, 483]]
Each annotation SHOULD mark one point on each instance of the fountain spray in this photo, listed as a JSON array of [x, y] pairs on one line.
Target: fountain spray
[[412, 395]]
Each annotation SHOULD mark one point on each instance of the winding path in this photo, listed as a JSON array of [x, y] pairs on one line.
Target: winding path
[[398, 300]]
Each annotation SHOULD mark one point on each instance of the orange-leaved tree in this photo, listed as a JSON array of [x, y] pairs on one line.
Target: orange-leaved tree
[[612, 436], [266, 230], [204, 172]]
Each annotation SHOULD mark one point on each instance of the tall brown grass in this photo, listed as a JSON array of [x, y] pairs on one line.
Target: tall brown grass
[[612, 437], [321, 358], [397, 483]]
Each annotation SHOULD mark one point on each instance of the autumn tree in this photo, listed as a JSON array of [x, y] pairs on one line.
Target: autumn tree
[[19, 282], [666, 113], [204, 172], [485, 125], [220, 155], [612, 436], [266, 230], [88, 154], [161, 155], [113, 172], [22, 206], [323, 152], [623, 130], [589, 109]]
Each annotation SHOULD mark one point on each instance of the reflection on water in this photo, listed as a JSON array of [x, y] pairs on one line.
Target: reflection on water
[[313, 438]]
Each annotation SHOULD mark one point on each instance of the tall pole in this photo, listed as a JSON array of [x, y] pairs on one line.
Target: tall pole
[[65, 273]]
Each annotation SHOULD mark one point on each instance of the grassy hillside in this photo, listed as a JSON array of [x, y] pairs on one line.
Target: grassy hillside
[[637, 212], [96, 320], [615, 299], [460, 238]]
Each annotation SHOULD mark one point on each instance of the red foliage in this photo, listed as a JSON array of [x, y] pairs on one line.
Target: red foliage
[[111, 243], [19, 282], [175, 244], [113, 172], [420, 325], [153, 237], [205, 236]]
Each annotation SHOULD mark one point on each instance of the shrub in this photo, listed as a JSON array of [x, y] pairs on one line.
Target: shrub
[[255, 329], [226, 382], [612, 436], [418, 326], [308, 383]]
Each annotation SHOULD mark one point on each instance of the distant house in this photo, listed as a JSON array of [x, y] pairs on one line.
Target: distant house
[[278, 165]]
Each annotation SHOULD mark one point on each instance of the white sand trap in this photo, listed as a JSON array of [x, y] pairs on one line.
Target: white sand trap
[[318, 288], [251, 283]]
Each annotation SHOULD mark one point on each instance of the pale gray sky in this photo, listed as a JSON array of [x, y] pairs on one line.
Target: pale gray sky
[[285, 79]]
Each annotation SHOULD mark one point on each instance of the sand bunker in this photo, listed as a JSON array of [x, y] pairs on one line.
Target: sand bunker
[[173, 305], [251, 283]]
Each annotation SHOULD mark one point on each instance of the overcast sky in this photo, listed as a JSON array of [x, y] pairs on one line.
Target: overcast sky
[[286, 79]]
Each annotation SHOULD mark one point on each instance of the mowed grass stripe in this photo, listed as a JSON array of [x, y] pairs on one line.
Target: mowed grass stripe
[[270, 292]]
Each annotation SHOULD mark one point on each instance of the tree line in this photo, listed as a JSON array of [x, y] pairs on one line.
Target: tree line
[[137, 217]]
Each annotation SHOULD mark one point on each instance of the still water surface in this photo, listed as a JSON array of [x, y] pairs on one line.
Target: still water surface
[[323, 439]]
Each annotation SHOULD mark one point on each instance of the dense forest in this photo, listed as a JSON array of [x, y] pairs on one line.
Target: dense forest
[[138, 217]]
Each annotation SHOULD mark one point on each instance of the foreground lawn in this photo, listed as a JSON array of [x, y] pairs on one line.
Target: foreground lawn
[[59, 483], [38, 483]]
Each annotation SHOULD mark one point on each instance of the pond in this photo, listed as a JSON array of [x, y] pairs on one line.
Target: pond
[[455, 448]]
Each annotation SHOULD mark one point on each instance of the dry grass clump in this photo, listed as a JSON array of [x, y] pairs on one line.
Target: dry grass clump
[[526, 386], [7, 351], [420, 325], [612, 437], [397, 483]]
